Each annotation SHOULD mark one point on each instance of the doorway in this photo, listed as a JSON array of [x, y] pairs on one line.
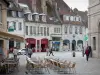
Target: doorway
[[43, 47], [73, 45]]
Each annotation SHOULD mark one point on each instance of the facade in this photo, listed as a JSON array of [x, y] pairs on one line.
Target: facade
[[74, 25], [4, 36], [15, 22], [94, 27], [40, 27], [47, 26]]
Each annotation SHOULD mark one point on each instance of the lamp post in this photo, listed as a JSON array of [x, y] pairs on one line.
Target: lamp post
[[73, 45]]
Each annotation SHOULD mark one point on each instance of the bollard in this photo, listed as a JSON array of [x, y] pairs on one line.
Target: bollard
[[73, 54]]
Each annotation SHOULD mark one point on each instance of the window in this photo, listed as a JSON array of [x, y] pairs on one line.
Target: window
[[14, 24], [44, 31], [18, 45], [26, 30], [0, 13], [38, 30], [17, 14], [94, 43], [79, 19], [58, 30], [69, 18], [7, 24], [80, 30], [41, 31], [9, 13], [34, 30], [72, 18], [20, 14], [33, 17], [40, 17], [20, 26], [65, 29], [30, 17], [76, 30], [14, 13], [54, 30], [48, 31], [75, 18], [70, 30], [31, 30]]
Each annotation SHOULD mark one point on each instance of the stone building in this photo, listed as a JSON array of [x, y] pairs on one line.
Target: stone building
[[4, 35], [52, 23], [15, 22], [94, 26]]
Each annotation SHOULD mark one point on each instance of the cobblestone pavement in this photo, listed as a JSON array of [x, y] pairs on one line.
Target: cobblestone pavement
[[92, 67]]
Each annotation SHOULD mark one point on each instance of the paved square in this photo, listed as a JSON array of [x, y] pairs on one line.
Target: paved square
[[92, 67]]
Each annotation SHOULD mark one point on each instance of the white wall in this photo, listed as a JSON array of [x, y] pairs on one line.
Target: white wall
[[17, 20], [77, 36], [17, 31]]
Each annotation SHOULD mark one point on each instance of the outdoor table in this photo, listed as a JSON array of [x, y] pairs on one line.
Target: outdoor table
[[9, 64]]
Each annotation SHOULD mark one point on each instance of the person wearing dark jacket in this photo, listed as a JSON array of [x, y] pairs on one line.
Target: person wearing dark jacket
[[30, 52], [87, 53], [51, 51], [90, 51]]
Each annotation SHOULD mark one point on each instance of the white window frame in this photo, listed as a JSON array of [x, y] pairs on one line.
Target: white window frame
[[20, 26], [66, 29], [48, 31], [31, 29], [26, 29]]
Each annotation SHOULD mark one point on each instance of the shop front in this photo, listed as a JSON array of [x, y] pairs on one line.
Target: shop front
[[56, 45], [7, 41], [44, 45], [31, 43]]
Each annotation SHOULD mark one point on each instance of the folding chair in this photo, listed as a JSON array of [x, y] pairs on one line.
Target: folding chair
[[72, 67]]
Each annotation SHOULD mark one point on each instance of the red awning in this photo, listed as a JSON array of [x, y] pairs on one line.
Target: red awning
[[44, 41], [31, 40]]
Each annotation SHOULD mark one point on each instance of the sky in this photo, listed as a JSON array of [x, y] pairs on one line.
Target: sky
[[81, 5]]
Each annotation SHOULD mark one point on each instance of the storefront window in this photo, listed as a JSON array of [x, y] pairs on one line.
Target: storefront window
[[94, 43], [18, 45]]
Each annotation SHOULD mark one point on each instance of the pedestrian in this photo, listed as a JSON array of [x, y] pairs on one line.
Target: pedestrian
[[51, 52], [33, 49], [87, 53], [15, 52], [83, 51], [30, 52], [47, 50], [90, 51]]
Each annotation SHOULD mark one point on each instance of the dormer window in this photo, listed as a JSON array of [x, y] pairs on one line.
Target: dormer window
[[75, 18], [30, 17], [69, 18], [40, 18], [10, 5], [20, 14], [33, 17], [79, 18], [72, 18], [14, 13]]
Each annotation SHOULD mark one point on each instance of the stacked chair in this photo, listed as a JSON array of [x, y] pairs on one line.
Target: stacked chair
[[37, 66], [62, 66], [40, 66]]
